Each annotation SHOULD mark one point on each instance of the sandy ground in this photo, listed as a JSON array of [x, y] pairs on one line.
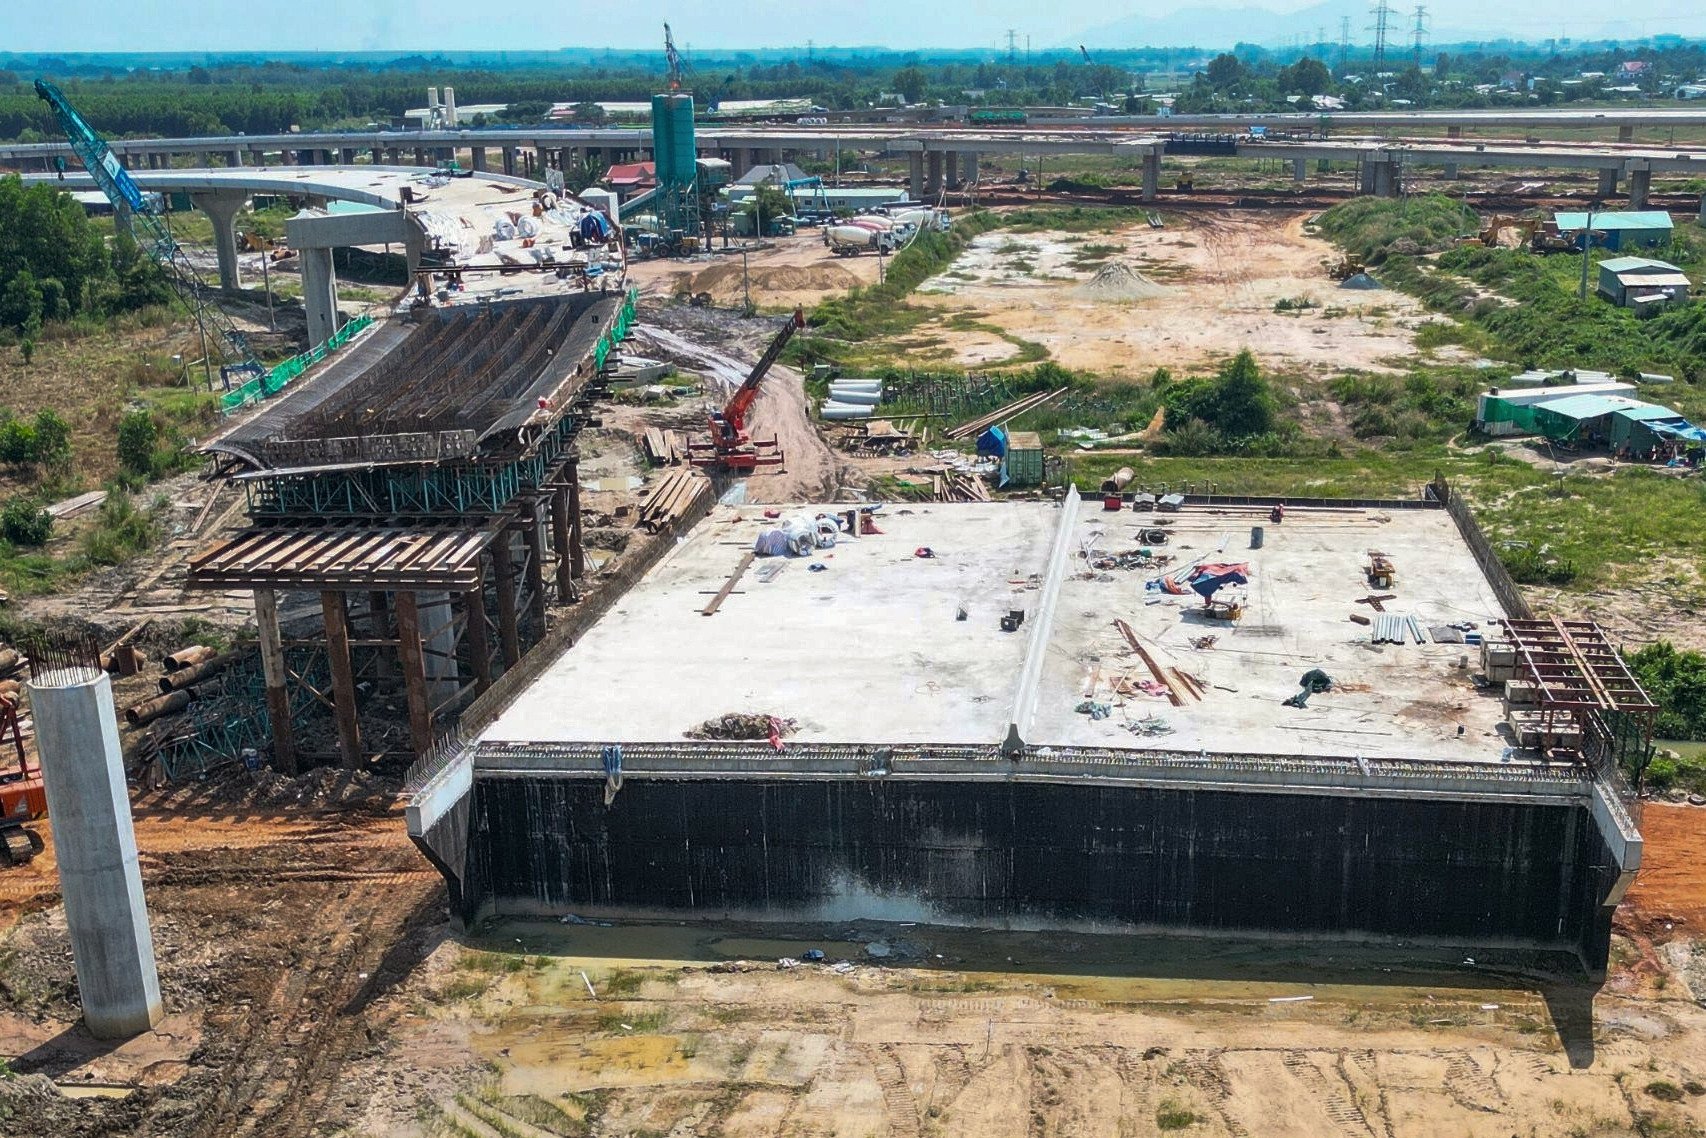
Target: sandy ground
[[782, 272], [694, 1030], [1224, 273]]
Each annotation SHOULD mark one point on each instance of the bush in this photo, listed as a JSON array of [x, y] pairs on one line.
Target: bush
[[1236, 401], [23, 523], [1664, 1090], [1171, 1116], [52, 439], [138, 438], [121, 530], [17, 441], [1676, 681]]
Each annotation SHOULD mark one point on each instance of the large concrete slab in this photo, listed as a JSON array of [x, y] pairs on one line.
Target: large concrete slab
[[869, 650], [1400, 700]]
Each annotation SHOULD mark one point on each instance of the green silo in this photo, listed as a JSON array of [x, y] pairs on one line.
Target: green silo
[[676, 153]]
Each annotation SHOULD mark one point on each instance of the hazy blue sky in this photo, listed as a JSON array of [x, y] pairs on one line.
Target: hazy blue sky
[[342, 25]]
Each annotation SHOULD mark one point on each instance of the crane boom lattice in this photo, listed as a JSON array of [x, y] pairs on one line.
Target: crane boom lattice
[[220, 335]]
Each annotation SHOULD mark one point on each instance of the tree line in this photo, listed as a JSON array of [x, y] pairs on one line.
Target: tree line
[[56, 266]]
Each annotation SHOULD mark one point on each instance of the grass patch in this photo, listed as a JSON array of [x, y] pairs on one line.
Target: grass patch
[[637, 1023], [1170, 1115]]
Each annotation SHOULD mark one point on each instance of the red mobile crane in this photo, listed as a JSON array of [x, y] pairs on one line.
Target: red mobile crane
[[731, 448]]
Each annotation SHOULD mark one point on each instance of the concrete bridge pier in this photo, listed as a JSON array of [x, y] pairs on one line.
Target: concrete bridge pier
[[234, 159], [348, 155], [933, 180], [478, 157], [1388, 179], [222, 209], [1365, 176], [1640, 183], [1451, 171], [509, 161], [915, 175], [1151, 174], [969, 160], [1300, 169], [319, 294], [1607, 181], [1626, 133]]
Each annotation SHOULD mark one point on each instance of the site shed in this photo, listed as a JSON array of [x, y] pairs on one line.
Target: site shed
[[1624, 229], [1024, 463]]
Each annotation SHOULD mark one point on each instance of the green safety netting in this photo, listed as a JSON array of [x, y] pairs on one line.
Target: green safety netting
[[281, 374]]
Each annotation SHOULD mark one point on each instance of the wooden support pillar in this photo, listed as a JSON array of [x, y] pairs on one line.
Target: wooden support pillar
[[479, 644], [560, 544], [503, 575], [379, 628], [577, 551], [535, 567], [413, 661], [343, 678], [273, 669]]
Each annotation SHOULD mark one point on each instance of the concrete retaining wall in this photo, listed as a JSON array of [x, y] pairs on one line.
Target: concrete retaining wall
[[1010, 854]]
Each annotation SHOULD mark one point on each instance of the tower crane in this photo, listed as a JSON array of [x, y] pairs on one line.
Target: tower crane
[[219, 335], [674, 58]]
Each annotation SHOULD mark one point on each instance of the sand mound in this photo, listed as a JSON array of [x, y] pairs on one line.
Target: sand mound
[[1119, 281], [725, 279]]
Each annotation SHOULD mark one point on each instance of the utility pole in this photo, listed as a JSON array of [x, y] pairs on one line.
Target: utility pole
[[1421, 31], [1587, 250], [1382, 14]]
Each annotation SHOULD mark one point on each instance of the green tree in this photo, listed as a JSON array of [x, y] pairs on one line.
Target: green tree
[[588, 113], [21, 304], [1244, 405], [138, 438], [52, 438], [768, 203], [23, 523], [1306, 77], [1225, 71], [911, 82]]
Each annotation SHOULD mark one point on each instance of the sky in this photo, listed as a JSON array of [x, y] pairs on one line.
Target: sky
[[425, 25]]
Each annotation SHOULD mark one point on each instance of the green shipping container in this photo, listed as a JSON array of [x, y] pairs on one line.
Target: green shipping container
[[1024, 458]]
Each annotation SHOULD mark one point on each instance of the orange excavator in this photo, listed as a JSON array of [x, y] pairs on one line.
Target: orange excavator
[[731, 449], [23, 799]]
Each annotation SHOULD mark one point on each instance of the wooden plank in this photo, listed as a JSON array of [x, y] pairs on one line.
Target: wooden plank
[[728, 585], [1155, 669]]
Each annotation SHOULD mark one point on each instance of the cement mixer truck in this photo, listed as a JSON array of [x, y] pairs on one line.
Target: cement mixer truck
[[858, 235]]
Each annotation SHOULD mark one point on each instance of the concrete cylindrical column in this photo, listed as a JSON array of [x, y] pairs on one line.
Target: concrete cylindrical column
[[1640, 183], [1151, 174], [1300, 169], [112, 946], [1608, 181], [915, 175]]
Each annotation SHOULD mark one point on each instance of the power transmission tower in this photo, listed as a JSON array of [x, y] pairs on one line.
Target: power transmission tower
[[1344, 41], [1012, 45], [1382, 14], [1421, 32], [1320, 39]]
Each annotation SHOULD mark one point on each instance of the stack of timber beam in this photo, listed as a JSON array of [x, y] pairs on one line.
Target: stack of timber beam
[[664, 448], [672, 498], [952, 486], [1013, 410]]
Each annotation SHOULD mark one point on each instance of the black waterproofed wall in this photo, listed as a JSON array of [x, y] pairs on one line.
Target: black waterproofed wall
[[994, 853]]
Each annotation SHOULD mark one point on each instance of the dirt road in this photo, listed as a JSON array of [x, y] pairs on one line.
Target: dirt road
[[783, 272], [276, 930]]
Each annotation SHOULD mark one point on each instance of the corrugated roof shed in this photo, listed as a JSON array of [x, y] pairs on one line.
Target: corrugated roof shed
[[1623, 220], [1631, 264], [1588, 406]]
